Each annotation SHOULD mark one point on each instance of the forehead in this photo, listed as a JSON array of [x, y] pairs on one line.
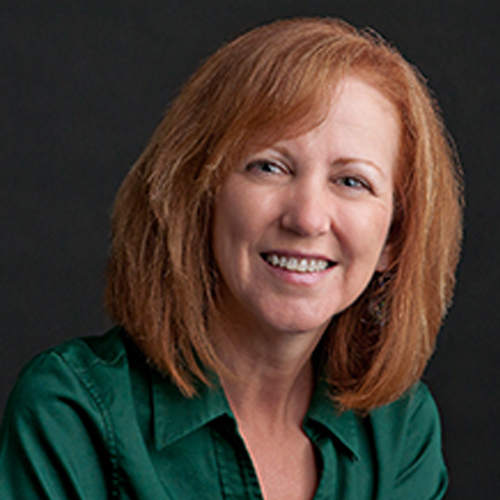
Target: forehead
[[352, 104], [357, 104]]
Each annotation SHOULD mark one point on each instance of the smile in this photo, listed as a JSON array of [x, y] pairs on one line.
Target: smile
[[297, 264]]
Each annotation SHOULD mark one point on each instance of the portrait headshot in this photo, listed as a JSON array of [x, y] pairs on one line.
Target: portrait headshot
[[249, 250]]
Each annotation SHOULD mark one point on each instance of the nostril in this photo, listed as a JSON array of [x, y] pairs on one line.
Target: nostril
[[306, 219]]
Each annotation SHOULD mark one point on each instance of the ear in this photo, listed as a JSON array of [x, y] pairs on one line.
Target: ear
[[385, 258]]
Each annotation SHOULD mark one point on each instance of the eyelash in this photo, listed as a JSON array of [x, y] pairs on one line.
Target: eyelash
[[359, 183], [260, 164], [268, 167]]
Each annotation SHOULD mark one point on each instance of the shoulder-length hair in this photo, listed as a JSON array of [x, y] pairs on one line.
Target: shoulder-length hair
[[273, 81]]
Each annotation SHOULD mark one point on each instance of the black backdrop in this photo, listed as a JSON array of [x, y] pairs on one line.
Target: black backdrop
[[84, 83]]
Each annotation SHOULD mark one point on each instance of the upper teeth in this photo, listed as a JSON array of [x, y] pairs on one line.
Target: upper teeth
[[300, 265]]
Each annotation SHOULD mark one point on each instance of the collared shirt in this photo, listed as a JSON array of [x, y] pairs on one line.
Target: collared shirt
[[93, 420]]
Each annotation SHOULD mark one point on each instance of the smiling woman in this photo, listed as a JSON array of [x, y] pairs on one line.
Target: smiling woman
[[283, 255], [322, 199]]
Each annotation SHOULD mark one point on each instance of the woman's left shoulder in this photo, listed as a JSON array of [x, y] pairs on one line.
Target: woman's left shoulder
[[411, 422], [417, 405], [407, 440]]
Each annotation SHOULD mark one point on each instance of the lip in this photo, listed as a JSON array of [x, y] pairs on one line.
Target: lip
[[299, 255], [294, 277]]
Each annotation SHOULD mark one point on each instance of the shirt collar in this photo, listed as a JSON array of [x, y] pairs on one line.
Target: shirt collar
[[344, 426], [176, 415]]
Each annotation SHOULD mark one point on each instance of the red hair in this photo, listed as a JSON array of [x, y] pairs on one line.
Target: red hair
[[270, 82]]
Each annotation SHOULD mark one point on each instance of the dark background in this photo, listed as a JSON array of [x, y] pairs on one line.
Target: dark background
[[83, 84]]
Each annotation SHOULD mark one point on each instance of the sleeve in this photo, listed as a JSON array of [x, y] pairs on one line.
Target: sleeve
[[416, 468], [54, 440]]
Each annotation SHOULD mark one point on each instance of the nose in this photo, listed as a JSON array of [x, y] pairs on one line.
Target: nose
[[306, 211]]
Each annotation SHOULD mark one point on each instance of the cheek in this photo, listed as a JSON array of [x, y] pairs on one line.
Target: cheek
[[232, 226], [365, 229], [242, 214], [229, 220]]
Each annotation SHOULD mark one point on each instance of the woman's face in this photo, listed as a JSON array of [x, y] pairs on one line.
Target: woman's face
[[301, 226]]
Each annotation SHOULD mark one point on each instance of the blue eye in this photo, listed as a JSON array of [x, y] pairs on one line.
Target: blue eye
[[351, 182], [265, 167], [354, 183]]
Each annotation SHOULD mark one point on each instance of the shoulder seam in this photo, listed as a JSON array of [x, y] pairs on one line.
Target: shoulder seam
[[80, 344], [110, 437]]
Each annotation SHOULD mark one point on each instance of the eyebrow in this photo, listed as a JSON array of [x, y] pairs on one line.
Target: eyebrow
[[347, 160], [339, 162]]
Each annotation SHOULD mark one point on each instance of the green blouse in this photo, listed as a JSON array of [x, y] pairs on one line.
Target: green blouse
[[93, 420]]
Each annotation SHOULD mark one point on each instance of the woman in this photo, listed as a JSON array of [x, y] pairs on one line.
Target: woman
[[283, 254]]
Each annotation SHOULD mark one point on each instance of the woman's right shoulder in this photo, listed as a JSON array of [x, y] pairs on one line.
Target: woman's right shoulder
[[77, 370], [58, 432]]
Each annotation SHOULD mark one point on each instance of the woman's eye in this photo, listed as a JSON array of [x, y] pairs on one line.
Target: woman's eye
[[265, 167], [354, 183]]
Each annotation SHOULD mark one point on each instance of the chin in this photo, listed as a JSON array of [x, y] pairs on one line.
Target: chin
[[297, 324]]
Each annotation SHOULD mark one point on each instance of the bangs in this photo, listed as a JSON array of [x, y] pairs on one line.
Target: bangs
[[276, 83], [268, 85]]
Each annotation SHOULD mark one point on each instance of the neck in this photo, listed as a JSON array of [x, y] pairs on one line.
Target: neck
[[270, 376]]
